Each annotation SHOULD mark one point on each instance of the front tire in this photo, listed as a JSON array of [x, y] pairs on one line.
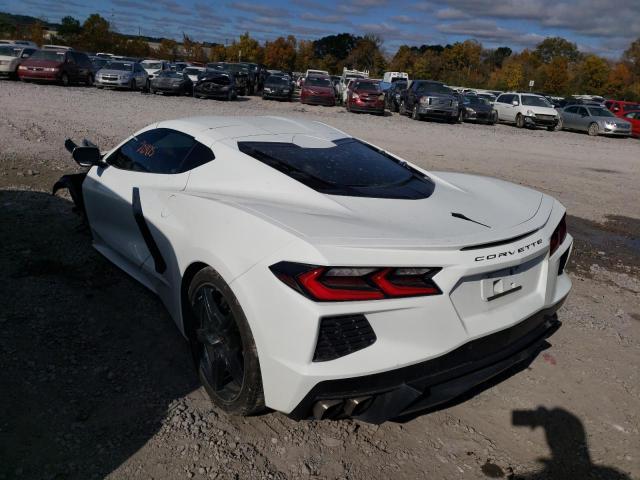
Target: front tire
[[223, 346], [132, 85], [559, 125], [461, 116], [594, 130], [402, 109], [89, 81], [65, 80], [519, 121], [415, 114]]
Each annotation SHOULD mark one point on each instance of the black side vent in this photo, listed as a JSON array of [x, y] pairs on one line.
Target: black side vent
[[563, 262], [340, 336]]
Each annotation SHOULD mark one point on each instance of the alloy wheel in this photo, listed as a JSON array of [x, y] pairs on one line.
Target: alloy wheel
[[221, 362], [593, 129]]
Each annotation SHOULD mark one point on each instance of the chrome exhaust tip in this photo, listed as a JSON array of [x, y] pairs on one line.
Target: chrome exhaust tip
[[355, 406], [326, 409]]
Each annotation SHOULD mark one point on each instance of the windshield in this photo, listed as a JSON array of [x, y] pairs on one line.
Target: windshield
[[473, 100], [367, 86], [218, 79], [127, 67], [349, 168], [9, 51], [430, 87], [600, 112], [272, 80], [629, 107], [317, 82], [152, 65], [535, 101], [50, 55], [169, 74], [192, 71]]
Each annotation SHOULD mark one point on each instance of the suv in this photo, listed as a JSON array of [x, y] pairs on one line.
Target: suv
[[427, 98], [64, 66], [526, 110], [393, 95]]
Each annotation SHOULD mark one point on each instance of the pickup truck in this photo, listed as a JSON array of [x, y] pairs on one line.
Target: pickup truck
[[428, 98]]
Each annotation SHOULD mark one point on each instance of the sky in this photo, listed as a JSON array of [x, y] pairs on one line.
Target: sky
[[605, 27]]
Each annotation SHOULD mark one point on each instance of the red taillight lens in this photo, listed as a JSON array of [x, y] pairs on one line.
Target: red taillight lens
[[558, 236], [339, 284]]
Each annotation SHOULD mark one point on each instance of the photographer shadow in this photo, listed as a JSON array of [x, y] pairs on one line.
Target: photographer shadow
[[566, 437]]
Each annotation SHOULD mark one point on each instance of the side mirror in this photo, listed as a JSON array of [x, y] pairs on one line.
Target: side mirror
[[25, 55], [515, 103], [85, 155]]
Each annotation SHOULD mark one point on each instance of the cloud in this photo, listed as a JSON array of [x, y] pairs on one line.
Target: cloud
[[255, 8], [451, 14], [488, 30], [320, 18], [405, 19]]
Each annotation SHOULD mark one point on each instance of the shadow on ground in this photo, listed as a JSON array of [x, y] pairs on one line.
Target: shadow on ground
[[91, 361]]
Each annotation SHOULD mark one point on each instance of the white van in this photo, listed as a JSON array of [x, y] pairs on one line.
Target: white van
[[391, 77]]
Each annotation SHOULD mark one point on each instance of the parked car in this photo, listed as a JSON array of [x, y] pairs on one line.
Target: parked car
[[526, 110], [277, 87], [170, 82], [619, 107], [154, 66], [477, 109], [393, 95], [57, 48], [126, 75], [314, 274], [23, 43], [98, 62], [318, 90], [11, 56], [194, 72], [392, 77], [257, 76], [365, 96], [178, 66], [62, 66], [428, 98], [216, 84], [593, 120], [316, 73], [633, 117], [240, 74], [490, 97], [343, 86]]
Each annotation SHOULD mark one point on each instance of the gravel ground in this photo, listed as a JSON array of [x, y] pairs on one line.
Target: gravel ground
[[96, 382]]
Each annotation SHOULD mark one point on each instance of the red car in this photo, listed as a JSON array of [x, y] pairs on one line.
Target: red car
[[620, 107], [63, 66], [633, 117], [365, 96], [318, 91]]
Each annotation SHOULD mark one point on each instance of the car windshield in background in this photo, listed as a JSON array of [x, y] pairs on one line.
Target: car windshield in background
[[152, 66], [473, 100], [99, 62], [317, 82], [350, 168], [50, 55], [628, 108], [600, 112], [9, 51], [276, 80], [169, 74], [428, 87], [192, 71], [367, 86], [535, 101], [126, 67]]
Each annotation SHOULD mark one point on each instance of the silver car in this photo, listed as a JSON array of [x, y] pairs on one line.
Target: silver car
[[594, 120], [117, 74]]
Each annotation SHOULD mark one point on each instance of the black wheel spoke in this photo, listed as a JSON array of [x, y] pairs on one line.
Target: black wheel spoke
[[234, 365]]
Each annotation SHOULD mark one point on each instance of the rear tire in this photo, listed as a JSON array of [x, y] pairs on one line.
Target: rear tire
[[519, 121], [594, 130], [414, 113], [559, 125], [65, 80], [89, 81], [132, 85], [402, 109], [223, 346]]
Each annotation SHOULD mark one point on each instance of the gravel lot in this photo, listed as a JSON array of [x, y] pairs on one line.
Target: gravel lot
[[96, 381]]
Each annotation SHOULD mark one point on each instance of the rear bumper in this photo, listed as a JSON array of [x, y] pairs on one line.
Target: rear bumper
[[395, 393]]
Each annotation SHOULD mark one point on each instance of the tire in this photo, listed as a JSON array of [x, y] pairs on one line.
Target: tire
[[89, 81], [394, 107], [461, 116], [402, 109], [65, 80], [519, 121], [551, 129], [414, 113], [230, 96], [132, 84], [152, 91], [223, 346], [594, 130], [559, 125]]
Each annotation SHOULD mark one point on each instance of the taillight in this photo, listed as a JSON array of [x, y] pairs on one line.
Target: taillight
[[558, 236], [339, 284]]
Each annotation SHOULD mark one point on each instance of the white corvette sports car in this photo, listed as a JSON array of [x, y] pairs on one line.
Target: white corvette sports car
[[319, 275]]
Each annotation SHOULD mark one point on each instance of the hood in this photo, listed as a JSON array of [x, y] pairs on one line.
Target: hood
[[42, 63], [540, 110], [485, 209], [9, 58]]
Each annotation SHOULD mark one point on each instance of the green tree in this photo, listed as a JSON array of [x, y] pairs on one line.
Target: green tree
[[96, 34], [593, 74], [367, 55], [70, 30], [553, 47], [632, 55], [281, 53]]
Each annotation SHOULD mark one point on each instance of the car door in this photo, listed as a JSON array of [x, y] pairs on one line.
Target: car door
[[568, 117], [634, 119], [582, 119], [146, 164]]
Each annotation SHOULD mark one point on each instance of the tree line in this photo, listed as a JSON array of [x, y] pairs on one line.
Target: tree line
[[556, 65]]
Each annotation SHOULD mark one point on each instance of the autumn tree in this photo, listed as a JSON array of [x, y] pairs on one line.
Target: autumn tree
[[305, 56], [509, 77], [554, 47], [593, 74], [246, 49], [168, 49], [403, 60], [555, 76], [217, 53], [36, 33], [281, 53], [96, 34], [367, 55], [632, 55], [619, 81]]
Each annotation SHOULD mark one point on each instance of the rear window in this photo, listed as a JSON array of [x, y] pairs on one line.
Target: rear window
[[350, 168], [48, 55]]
